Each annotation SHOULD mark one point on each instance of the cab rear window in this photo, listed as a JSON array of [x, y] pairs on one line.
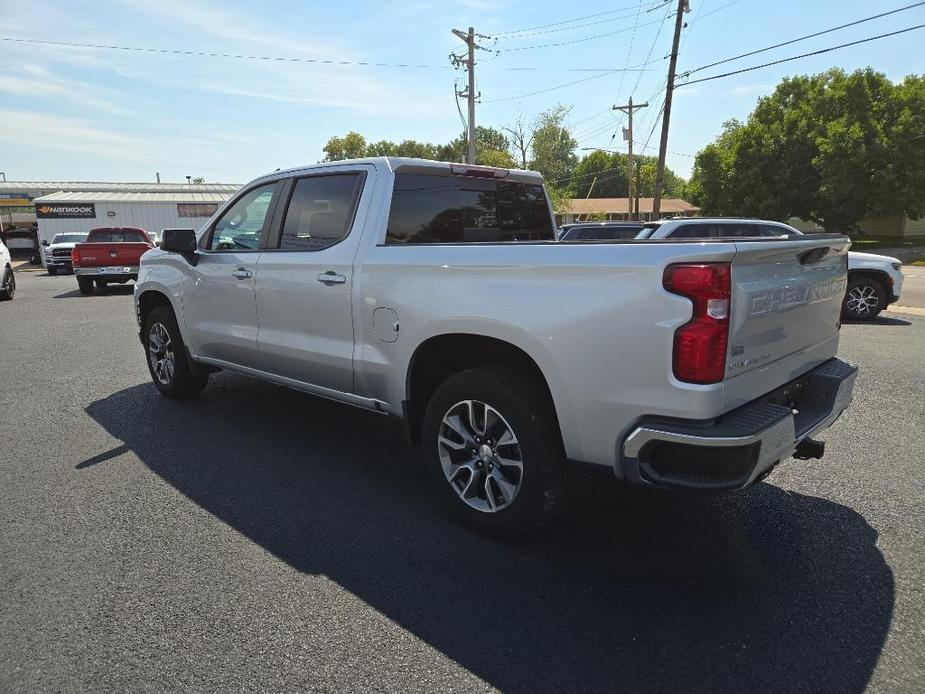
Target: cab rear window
[[463, 209], [116, 236]]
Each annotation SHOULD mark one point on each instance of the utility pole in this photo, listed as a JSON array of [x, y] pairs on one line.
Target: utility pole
[[669, 89], [469, 93], [628, 136]]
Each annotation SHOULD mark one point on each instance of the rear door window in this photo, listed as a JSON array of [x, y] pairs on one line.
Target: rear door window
[[465, 209], [320, 211]]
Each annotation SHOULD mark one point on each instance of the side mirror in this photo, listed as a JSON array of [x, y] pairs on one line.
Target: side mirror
[[182, 241], [44, 242]]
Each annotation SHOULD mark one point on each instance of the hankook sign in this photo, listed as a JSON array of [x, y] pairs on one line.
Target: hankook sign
[[65, 210]]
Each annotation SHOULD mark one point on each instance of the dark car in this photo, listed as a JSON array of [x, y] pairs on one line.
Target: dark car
[[599, 231]]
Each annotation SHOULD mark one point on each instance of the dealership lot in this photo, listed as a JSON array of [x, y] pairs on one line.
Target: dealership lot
[[258, 539]]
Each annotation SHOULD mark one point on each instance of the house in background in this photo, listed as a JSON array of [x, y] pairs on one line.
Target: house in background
[[617, 210]]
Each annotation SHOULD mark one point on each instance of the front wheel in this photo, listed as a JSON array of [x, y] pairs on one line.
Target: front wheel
[[865, 298], [168, 362], [494, 449]]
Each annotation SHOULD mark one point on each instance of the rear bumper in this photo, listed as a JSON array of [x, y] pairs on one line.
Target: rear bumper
[[736, 449], [119, 272]]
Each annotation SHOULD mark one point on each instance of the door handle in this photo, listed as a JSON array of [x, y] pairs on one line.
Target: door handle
[[242, 274], [331, 278]]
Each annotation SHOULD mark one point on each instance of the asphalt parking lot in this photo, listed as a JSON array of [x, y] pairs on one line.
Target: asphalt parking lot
[[256, 539]]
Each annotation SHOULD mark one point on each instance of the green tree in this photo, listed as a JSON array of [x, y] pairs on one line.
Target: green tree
[[833, 148], [609, 170], [553, 147], [350, 146]]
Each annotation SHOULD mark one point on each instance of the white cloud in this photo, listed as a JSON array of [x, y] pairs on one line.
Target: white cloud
[[34, 80], [59, 134]]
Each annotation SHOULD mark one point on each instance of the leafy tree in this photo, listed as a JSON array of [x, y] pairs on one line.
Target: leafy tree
[[833, 148], [609, 183], [350, 146], [553, 147]]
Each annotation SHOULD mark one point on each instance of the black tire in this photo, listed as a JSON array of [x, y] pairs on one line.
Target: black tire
[[8, 285], [52, 271], [524, 407], [865, 298], [85, 285], [181, 381]]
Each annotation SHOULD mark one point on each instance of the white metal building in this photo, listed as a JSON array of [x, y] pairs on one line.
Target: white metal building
[[81, 211], [17, 197]]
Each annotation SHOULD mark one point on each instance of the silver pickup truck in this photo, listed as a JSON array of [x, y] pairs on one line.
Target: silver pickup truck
[[436, 293]]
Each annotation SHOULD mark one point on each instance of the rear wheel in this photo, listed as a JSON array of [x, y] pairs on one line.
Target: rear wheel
[[864, 299], [8, 286], [168, 362], [85, 284], [494, 450], [52, 271]]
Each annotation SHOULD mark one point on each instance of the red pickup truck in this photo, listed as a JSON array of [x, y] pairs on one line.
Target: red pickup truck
[[109, 255]]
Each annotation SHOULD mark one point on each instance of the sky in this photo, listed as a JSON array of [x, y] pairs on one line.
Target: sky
[[116, 115]]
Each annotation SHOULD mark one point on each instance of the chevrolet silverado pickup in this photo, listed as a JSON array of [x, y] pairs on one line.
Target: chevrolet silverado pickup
[[437, 294], [110, 255]]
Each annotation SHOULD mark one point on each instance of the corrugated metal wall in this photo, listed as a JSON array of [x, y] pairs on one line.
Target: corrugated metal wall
[[151, 216]]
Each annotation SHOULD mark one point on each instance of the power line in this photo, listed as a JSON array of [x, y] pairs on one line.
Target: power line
[[207, 54], [634, 68], [803, 38], [320, 61], [651, 48], [804, 55], [570, 28], [574, 41], [629, 54], [711, 12], [574, 19]]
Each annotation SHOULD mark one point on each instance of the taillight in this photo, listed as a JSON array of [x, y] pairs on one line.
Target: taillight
[[75, 256], [700, 344]]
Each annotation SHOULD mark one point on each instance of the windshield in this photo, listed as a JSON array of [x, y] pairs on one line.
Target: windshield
[[69, 238]]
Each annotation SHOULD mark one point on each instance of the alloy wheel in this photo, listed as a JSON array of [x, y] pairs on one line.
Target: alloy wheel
[[480, 456], [862, 300], [160, 353]]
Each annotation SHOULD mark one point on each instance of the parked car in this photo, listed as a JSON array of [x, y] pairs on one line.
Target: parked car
[[110, 255], [601, 231], [7, 278], [874, 281], [437, 294], [20, 242], [58, 252]]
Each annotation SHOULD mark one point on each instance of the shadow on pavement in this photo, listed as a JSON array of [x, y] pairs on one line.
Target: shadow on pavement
[[879, 320], [113, 289], [630, 591]]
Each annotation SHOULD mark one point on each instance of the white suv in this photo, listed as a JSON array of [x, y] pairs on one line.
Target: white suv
[[874, 281], [7, 279]]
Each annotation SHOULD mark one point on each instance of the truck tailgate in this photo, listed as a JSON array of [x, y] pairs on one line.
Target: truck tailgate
[[786, 311], [102, 254]]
